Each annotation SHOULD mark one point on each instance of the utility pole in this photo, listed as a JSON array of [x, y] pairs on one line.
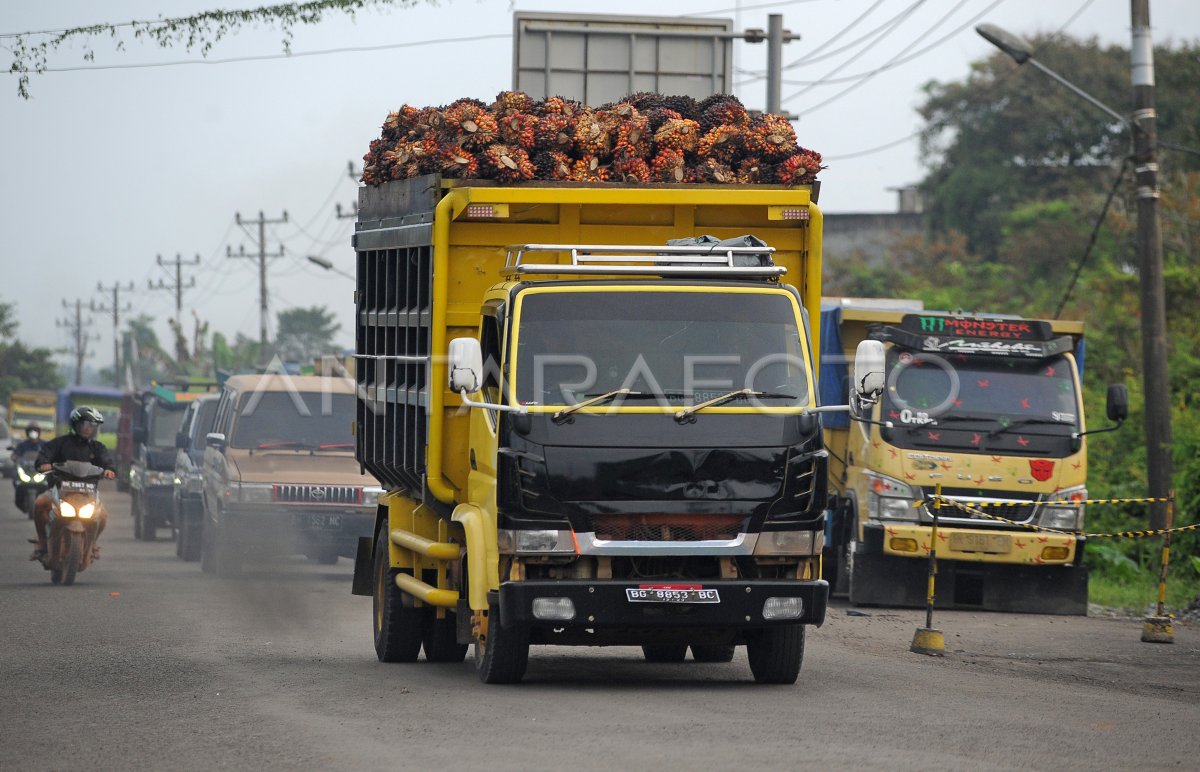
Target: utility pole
[[262, 223], [115, 309], [1150, 265], [79, 336], [178, 287], [355, 175], [774, 37]]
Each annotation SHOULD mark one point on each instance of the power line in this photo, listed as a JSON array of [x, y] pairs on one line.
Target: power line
[[808, 58], [115, 309], [262, 223], [177, 286], [1092, 240]]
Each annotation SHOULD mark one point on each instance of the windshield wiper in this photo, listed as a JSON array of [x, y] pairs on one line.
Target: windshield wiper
[[1026, 422], [566, 411], [687, 413]]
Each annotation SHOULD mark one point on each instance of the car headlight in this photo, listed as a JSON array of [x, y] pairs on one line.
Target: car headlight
[[256, 493], [86, 510], [890, 499], [370, 497], [159, 478], [1064, 516], [66, 510], [24, 477]]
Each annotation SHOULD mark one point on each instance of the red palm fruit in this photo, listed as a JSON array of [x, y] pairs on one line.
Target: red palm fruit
[[552, 165], [557, 105], [712, 170], [503, 162], [590, 135], [660, 115], [728, 112], [799, 169], [678, 134], [682, 104], [518, 129], [646, 100], [751, 171], [470, 125], [668, 166], [724, 142], [510, 102], [399, 124], [553, 132], [629, 168], [455, 161], [588, 169], [772, 137]]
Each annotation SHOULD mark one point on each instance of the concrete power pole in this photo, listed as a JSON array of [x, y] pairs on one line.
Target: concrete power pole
[[262, 256], [115, 309], [1150, 265], [178, 286], [78, 330]]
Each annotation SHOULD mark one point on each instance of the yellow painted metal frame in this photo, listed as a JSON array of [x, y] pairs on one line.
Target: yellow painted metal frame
[[804, 266]]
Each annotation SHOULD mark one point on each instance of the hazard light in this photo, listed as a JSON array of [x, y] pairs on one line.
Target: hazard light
[[788, 213], [485, 211]]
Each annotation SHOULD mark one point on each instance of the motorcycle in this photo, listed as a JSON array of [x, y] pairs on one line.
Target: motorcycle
[[30, 483], [75, 520]]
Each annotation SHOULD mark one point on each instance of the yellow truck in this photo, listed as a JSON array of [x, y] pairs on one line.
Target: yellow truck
[[26, 406], [989, 410], [589, 436]]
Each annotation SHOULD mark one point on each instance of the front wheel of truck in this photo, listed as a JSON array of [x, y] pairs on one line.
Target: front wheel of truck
[[398, 628], [501, 654], [776, 653]]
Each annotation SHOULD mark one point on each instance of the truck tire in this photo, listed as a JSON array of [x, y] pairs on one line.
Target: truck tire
[[398, 628], [713, 653], [665, 652], [440, 638], [776, 654], [502, 655]]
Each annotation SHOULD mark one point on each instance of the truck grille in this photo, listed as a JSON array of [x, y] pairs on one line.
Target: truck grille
[[667, 527], [319, 494], [1018, 510]]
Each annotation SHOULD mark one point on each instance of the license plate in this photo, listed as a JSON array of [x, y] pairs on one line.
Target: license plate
[[992, 543], [82, 487], [659, 595], [324, 520]]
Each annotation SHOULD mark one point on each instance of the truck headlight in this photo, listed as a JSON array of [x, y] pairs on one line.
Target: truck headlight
[[535, 542], [1064, 516], [890, 499]]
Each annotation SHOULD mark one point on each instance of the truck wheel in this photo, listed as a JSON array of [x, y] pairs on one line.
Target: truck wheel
[[667, 652], [714, 653], [501, 654], [397, 627], [776, 654], [441, 638]]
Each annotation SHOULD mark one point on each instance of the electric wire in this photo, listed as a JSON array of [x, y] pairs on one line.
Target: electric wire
[[1092, 239]]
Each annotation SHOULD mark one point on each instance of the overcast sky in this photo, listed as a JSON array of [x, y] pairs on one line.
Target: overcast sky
[[106, 168]]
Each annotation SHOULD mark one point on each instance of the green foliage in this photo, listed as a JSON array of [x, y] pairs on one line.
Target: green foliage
[[22, 367], [200, 31], [243, 355], [304, 333], [1105, 555]]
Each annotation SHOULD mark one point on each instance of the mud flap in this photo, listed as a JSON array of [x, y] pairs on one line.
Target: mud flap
[[362, 567]]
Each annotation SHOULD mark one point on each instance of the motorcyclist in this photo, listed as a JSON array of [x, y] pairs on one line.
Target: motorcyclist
[[32, 443], [79, 445]]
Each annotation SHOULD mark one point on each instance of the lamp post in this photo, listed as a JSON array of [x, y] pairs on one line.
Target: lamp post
[[328, 266], [1143, 127]]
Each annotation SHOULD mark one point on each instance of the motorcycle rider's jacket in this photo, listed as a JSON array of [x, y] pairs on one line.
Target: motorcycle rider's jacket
[[72, 447], [27, 446]]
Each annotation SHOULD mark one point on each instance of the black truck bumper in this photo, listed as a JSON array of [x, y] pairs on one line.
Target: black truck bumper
[[622, 606]]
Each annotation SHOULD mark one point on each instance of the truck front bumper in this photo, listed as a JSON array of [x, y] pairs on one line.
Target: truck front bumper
[[612, 604]]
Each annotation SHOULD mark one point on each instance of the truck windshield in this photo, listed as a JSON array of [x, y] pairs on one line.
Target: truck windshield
[[973, 399], [165, 425], [675, 347], [300, 420]]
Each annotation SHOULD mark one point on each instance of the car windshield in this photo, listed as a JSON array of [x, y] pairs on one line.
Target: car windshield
[[971, 396], [302, 420], [166, 424], [681, 347], [202, 423]]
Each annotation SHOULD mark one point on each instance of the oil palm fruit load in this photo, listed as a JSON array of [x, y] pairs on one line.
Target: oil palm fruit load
[[644, 138]]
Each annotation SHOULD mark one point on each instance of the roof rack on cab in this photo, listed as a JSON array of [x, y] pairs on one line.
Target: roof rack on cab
[[651, 260]]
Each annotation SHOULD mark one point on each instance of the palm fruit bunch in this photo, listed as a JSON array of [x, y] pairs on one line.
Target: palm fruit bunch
[[644, 138]]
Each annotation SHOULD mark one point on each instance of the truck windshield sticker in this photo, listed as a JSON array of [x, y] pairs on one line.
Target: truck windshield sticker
[[1009, 329]]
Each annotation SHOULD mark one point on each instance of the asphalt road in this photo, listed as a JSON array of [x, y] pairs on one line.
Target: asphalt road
[[147, 663]]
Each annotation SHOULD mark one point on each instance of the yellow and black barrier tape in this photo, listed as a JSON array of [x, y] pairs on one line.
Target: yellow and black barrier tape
[[1142, 534]]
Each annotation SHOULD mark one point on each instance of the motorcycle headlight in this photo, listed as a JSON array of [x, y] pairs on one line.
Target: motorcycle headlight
[[24, 477], [37, 478], [87, 510], [66, 510]]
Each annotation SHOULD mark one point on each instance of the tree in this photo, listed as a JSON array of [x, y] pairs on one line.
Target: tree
[[305, 333], [242, 356], [22, 367], [199, 31]]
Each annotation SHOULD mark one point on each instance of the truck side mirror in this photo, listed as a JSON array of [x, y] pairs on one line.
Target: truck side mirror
[[868, 378], [215, 440], [1117, 402], [181, 440], [465, 365]]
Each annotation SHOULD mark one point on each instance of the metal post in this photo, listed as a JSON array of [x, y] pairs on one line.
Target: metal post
[[1160, 628], [928, 639], [774, 61], [1150, 263], [262, 283]]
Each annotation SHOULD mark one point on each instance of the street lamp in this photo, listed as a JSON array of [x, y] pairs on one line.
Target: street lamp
[[1156, 387], [328, 266]]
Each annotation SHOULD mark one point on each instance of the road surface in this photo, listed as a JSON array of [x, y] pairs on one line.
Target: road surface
[[148, 663]]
